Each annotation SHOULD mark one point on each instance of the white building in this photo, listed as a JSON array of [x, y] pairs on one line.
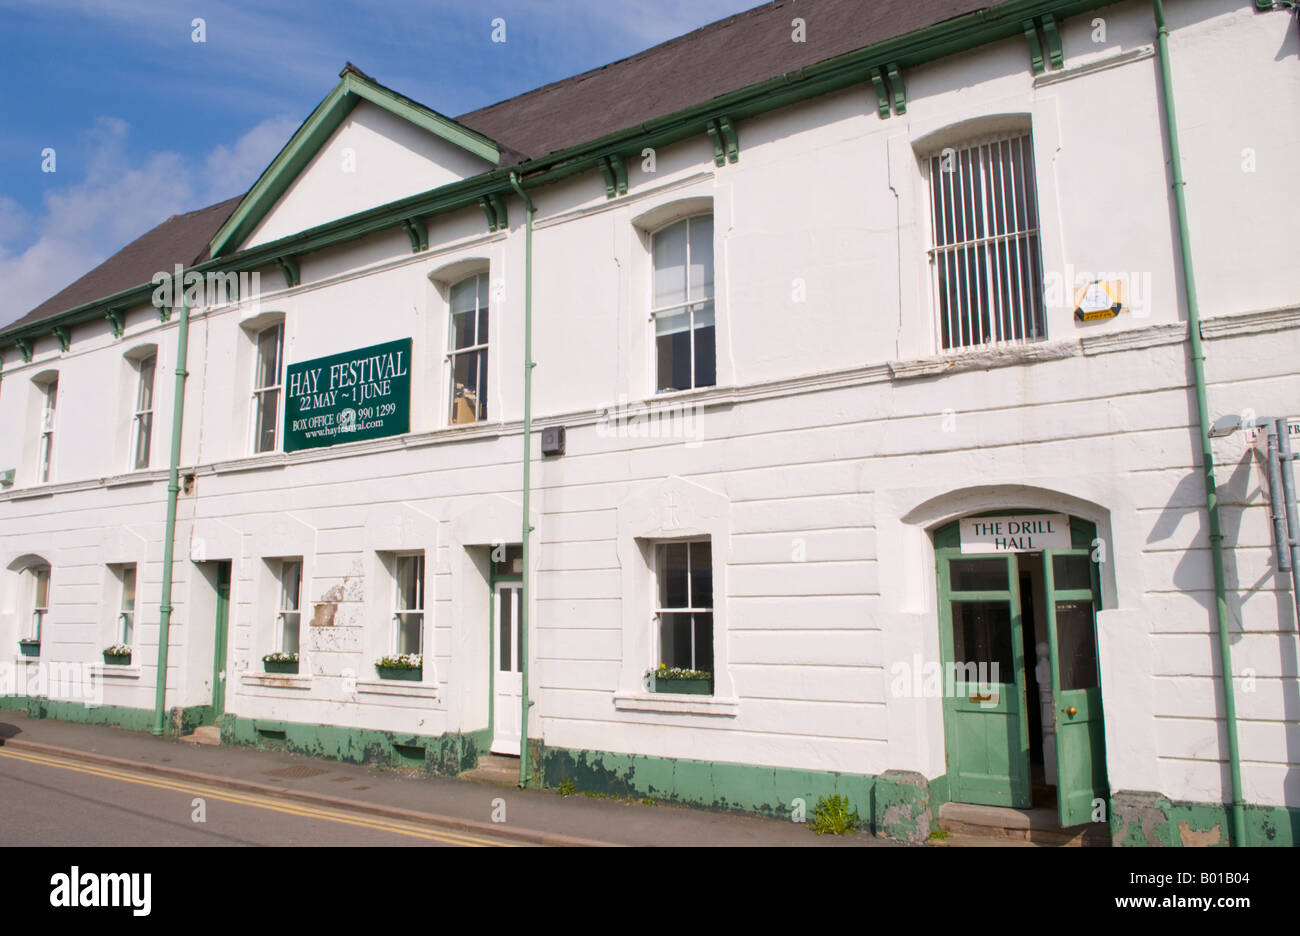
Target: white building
[[807, 290]]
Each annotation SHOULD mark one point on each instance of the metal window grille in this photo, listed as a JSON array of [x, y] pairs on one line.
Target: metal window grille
[[986, 266]]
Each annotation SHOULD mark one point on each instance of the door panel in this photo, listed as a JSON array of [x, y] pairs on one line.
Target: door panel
[[1070, 577], [219, 641], [507, 679], [985, 723]]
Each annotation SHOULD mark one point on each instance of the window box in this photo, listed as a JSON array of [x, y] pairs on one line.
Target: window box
[[408, 666], [280, 666], [682, 686], [400, 672], [29, 648], [117, 656]]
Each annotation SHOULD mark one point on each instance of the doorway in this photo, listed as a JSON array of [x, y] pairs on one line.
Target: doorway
[[507, 668], [1022, 695]]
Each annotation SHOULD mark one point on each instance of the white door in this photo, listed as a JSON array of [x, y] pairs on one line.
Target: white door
[[507, 684]]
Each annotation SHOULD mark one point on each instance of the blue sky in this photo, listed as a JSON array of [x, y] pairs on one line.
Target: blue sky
[[145, 122]]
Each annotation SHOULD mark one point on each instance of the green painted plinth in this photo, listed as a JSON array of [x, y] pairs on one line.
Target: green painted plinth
[[29, 648], [117, 659], [682, 686], [411, 675], [280, 666]]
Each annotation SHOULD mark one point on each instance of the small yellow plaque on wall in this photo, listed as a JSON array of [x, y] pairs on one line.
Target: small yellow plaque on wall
[[1099, 300]]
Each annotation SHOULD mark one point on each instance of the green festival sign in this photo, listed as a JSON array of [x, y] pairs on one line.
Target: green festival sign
[[349, 397]]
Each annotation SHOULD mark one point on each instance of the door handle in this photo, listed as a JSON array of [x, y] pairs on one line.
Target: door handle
[[1071, 711], [985, 697]]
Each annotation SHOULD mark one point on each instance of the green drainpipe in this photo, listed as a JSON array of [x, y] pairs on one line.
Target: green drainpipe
[[528, 457], [169, 532], [1203, 418]]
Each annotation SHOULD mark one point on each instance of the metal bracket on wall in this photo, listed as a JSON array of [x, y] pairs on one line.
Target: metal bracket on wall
[[289, 267], [417, 232], [65, 337], [115, 318], [891, 92]]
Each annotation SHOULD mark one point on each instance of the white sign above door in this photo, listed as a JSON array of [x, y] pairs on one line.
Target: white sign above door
[[1015, 533]]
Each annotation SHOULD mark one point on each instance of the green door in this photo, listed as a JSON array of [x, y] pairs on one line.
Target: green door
[[219, 641], [1070, 577], [985, 725]]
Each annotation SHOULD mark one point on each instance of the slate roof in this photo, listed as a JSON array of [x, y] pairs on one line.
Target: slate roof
[[717, 59]]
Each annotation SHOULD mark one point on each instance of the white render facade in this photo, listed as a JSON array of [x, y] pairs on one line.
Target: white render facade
[[838, 437]]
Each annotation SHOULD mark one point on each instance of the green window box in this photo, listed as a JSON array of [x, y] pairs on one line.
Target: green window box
[[682, 686], [117, 659], [281, 666], [396, 672], [29, 648]]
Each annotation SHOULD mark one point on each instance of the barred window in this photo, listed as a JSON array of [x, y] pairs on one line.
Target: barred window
[[987, 269]]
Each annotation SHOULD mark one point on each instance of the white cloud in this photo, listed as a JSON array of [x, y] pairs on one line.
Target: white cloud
[[120, 198]]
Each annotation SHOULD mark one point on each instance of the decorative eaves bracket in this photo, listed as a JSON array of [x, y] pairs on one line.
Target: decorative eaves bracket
[[115, 318], [65, 337], [418, 233], [164, 314], [726, 148], [891, 91], [25, 347], [494, 209], [1050, 41], [289, 267], [615, 173]]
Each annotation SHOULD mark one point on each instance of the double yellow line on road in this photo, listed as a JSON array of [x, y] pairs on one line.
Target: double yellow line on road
[[255, 801]]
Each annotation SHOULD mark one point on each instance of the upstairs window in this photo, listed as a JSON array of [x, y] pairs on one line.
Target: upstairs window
[[468, 356], [986, 265], [408, 605], [142, 425], [290, 615], [266, 388], [685, 607], [682, 305], [45, 458]]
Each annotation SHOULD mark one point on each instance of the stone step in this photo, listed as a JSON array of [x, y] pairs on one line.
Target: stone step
[[207, 734], [497, 769], [1030, 826]]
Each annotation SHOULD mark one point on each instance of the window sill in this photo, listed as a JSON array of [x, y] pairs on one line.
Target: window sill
[[118, 671], [397, 687], [276, 681], [677, 704]]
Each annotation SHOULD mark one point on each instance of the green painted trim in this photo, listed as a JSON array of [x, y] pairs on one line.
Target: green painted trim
[[179, 721], [1035, 47], [882, 93], [607, 171], [498, 202], [446, 754], [221, 637], [65, 337], [1055, 54], [715, 135], [164, 314], [169, 531], [1153, 819], [312, 136], [25, 348], [418, 233], [750, 788], [729, 136], [1197, 353], [897, 87], [489, 212], [118, 322], [289, 267]]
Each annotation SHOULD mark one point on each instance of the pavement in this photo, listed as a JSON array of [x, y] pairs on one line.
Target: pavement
[[409, 798]]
